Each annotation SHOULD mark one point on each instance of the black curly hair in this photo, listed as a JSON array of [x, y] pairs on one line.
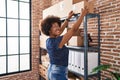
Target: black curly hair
[[46, 24]]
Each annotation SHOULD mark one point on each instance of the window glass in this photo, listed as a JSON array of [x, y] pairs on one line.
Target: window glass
[[12, 27], [24, 45], [25, 0], [12, 8], [24, 63], [2, 8], [2, 27], [24, 10], [12, 45], [24, 28], [2, 46], [13, 63], [3, 64]]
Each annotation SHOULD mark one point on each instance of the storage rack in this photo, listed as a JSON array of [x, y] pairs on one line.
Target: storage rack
[[86, 48]]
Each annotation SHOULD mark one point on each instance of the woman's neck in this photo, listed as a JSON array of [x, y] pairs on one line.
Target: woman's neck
[[53, 36]]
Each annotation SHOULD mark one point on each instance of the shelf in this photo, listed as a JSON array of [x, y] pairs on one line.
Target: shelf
[[92, 15], [82, 48], [78, 74], [75, 17]]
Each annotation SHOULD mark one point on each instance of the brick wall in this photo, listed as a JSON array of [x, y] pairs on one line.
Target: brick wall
[[110, 33]]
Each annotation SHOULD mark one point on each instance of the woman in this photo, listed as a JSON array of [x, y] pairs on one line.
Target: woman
[[55, 44]]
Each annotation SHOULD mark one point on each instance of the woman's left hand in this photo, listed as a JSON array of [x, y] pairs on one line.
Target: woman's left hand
[[71, 13]]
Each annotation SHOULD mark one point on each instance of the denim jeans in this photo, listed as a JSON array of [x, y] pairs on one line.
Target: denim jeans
[[57, 72]]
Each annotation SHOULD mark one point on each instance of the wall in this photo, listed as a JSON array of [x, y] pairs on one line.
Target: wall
[[110, 33], [31, 75]]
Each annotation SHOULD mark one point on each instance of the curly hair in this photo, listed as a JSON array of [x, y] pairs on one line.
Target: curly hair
[[46, 24]]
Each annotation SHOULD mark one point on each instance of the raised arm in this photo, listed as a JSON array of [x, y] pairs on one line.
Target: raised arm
[[65, 23], [74, 28]]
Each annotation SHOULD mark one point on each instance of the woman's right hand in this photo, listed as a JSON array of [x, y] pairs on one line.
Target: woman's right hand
[[84, 11]]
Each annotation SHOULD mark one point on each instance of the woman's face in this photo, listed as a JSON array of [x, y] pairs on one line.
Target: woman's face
[[55, 30]]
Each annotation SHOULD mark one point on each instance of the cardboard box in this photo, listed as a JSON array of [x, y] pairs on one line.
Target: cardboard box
[[76, 1], [76, 41], [43, 39], [81, 4], [43, 71]]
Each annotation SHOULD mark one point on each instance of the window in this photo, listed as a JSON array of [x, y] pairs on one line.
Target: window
[[15, 36]]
